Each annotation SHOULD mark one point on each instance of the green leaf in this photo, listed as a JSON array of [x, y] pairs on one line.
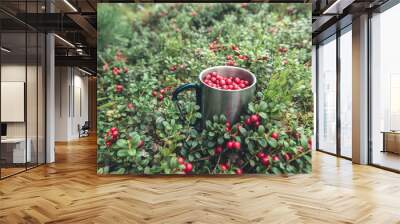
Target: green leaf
[[122, 143], [272, 142], [123, 153], [119, 171]]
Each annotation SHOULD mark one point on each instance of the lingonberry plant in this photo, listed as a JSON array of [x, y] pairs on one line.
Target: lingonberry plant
[[146, 51]]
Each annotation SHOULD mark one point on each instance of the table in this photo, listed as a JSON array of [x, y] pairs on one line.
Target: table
[[391, 141], [13, 150]]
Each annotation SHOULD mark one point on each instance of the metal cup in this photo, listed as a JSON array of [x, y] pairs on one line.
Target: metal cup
[[213, 101]]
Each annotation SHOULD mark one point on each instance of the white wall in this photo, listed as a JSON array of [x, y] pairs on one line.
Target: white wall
[[71, 109]]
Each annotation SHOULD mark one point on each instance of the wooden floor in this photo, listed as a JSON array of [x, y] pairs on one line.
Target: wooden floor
[[69, 191]]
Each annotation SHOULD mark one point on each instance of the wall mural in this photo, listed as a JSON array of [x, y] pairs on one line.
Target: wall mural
[[204, 88]]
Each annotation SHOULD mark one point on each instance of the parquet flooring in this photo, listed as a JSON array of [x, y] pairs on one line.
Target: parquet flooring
[[69, 191]]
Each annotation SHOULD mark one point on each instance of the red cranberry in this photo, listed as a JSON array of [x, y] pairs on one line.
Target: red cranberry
[[154, 93], [275, 135], [248, 121], [108, 144], [160, 97], [265, 161], [230, 145], [239, 171], [224, 167], [254, 118], [181, 160], [218, 149], [260, 155], [162, 91], [236, 145], [275, 158], [130, 106], [188, 167], [116, 71], [119, 88], [229, 57], [113, 129]]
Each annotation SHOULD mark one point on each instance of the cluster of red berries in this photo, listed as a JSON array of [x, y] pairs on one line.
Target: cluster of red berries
[[160, 94], [233, 145], [253, 120], [173, 68], [117, 71], [188, 166], [224, 167], [282, 49], [263, 158], [215, 80], [119, 88], [214, 46], [111, 136]]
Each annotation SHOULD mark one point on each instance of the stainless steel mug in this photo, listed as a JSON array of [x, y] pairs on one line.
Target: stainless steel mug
[[213, 101]]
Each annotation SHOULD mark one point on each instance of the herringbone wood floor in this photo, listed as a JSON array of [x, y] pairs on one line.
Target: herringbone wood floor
[[69, 191]]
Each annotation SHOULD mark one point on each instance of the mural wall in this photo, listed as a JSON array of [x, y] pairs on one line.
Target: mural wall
[[204, 89]]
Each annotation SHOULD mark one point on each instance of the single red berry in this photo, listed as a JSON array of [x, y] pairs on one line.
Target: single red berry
[[236, 145], [248, 121], [260, 155], [228, 124], [188, 167], [229, 57], [113, 129], [218, 149], [265, 161], [108, 144], [239, 171], [119, 88], [162, 91], [257, 124], [275, 136], [254, 118], [224, 167], [181, 160], [229, 145], [154, 93], [275, 158], [130, 106], [228, 129], [160, 97]]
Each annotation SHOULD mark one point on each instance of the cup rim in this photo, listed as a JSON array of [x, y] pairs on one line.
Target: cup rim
[[226, 66]]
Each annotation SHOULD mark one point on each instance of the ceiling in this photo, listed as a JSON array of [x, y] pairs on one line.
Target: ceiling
[[74, 22], [332, 15]]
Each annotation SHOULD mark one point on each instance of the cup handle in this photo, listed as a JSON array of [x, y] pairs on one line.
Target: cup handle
[[185, 87]]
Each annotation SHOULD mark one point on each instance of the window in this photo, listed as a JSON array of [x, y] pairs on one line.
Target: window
[[385, 89], [346, 92], [327, 95]]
